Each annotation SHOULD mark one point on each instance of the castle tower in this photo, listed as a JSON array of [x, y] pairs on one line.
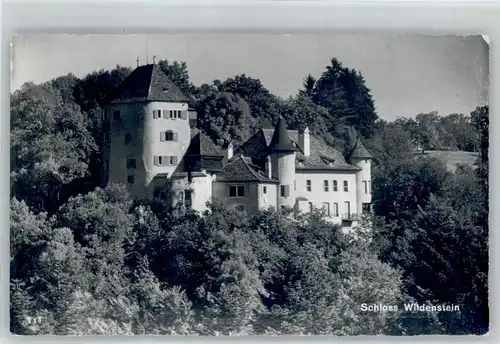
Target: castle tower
[[147, 131], [359, 156], [282, 154]]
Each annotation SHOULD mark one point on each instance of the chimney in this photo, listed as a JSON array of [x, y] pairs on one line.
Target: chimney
[[227, 150], [268, 168], [305, 141]]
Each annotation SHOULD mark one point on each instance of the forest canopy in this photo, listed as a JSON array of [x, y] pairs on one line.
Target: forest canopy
[[86, 259]]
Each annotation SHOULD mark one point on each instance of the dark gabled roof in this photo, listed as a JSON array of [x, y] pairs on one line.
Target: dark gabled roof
[[201, 145], [240, 169], [148, 83], [281, 142]]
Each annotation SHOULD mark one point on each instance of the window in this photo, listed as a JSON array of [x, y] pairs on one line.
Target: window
[[264, 189], [365, 184], [188, 198], [326, 208], [236, 191], [156, 114], [335, 186], [365, 208], [284, 190], [308, 185], [161, 160], [130, 179], [190, 177], [336, 209], [346, 186], [168, 135], [295, 185], [116, 116], [348, 208], [175, 114], [131, 163], [311, 207], [326, 185], [128, 138]]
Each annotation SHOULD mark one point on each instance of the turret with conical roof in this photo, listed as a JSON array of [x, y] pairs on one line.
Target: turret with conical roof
[[281, 142], [359, 156], [282, 150]]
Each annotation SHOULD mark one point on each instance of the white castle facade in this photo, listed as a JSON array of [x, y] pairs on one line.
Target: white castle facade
[[150, 141]]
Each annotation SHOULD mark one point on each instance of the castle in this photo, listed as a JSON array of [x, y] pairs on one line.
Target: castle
[[150, 140]]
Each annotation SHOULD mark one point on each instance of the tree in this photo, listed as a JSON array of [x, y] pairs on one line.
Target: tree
[[226, 116], [96, 89], [264, 106], [344, 93], [178, 73], [59, 150]]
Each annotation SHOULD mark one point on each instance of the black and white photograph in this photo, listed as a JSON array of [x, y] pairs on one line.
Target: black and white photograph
[[249, 184]]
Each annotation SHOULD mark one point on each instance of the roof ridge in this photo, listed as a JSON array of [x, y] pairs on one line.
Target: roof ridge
[[251, 170]]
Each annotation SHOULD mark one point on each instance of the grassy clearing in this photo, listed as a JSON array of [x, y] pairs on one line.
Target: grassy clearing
[[452, 158]]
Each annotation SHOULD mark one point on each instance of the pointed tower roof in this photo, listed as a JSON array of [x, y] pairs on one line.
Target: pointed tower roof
[[148, 83], [281, 142], [356, 147]]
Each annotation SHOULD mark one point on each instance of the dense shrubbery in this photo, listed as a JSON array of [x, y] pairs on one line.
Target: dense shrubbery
[[89, 260]]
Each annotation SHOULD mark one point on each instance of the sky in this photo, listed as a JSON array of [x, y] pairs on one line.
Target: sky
[[407, 74]]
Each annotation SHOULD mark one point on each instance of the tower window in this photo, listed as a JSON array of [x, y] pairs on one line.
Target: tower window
[[128, 138], [308, 185], [168, 135], [131, 163], [346, 186], [188, 198], [365, 184], [335, 186], [284, 190], [264, 189], [326, 185], [156, 114], [165, 160], [116, 117], [175, 114], [130, 179]]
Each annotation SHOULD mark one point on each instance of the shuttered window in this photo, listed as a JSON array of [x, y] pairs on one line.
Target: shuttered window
[[156, 114]]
